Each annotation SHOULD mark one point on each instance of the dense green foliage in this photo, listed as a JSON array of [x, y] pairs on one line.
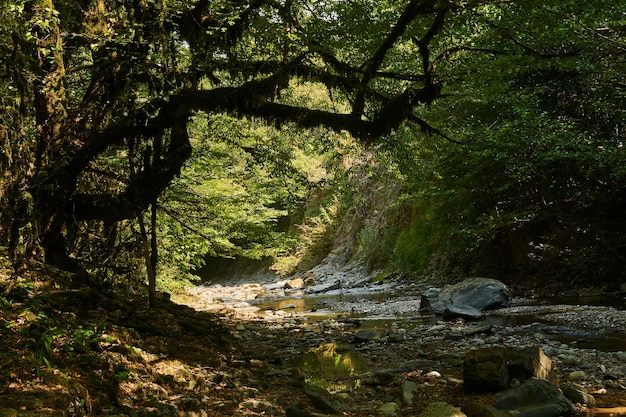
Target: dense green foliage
[[535, 187], [133, 130], [246, 193], [101, 98]]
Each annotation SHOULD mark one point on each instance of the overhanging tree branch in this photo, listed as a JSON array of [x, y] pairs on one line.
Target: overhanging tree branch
[[412, 10], [144, 187], [119, 96]]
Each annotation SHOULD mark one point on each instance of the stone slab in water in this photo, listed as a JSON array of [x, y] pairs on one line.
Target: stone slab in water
[[462, 311]]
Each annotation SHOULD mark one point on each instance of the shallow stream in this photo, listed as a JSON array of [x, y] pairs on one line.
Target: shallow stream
[[591, 328], [526, 315]]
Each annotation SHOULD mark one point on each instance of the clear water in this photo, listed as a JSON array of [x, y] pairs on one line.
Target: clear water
[[330, 366], [322, 307]]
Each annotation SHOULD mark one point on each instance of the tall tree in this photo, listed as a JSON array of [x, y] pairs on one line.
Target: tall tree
[[99, 95], [535, 184], [113, 81]]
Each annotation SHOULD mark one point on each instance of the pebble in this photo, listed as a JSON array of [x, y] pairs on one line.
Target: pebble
[[576, 375], [408, 392], [570, 360], [441, 409], [389, 409]]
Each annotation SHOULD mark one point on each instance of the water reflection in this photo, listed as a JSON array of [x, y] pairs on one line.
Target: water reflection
[[313, 302], [330, 366]]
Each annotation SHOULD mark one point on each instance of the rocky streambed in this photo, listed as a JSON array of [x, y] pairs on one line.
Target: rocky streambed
[[367, 345]]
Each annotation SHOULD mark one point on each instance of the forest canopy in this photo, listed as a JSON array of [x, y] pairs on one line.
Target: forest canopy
[[505, 120]]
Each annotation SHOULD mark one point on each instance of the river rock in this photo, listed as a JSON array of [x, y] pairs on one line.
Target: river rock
[[389, 409], [486, 370], [294, 283], [493, 368], [535, 398], [324, 287], [531, 363], [428, 299], [380, 377], [441, 409], [259, 407], [396, 336], [570, 360], [576, 375], [364, 336], [361, 281], [322, 403], [408, 392], [578, 394], [473, 409]]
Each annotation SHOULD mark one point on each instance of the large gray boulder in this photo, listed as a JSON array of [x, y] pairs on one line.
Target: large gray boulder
[[480, 293], [471, 295]]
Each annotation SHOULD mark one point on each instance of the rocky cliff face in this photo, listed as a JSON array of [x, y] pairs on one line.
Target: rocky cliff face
[[367, 228]]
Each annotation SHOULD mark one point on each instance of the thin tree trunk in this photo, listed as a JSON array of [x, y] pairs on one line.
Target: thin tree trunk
[[150, 256], [154, 254], [148, 259]]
